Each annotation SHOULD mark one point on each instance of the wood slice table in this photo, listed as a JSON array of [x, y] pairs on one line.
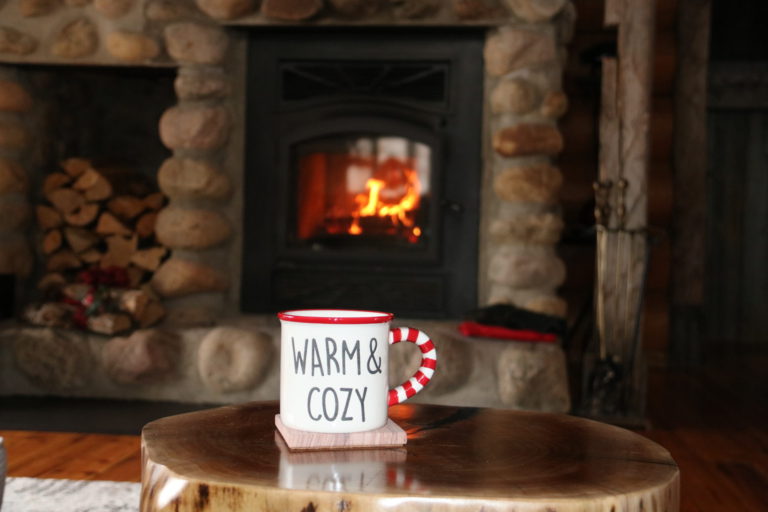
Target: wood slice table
[[456, 459]]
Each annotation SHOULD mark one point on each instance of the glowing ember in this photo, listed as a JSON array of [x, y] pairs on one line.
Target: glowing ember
[[397, 198]]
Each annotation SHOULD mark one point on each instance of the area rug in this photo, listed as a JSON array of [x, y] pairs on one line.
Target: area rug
[[53, 495]]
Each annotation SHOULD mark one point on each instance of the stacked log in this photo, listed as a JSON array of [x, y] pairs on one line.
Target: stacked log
[[98, 218]]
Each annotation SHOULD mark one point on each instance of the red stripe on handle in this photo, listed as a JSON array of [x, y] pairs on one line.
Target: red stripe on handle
[[427, 346], [407, 389]]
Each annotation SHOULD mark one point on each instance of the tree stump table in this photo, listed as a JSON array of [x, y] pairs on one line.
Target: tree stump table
[[456, 459]]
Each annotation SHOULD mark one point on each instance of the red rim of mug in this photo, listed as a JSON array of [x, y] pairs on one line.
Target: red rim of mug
[[372, 317]]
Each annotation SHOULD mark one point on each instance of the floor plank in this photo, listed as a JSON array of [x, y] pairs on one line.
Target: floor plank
[[73, 455]]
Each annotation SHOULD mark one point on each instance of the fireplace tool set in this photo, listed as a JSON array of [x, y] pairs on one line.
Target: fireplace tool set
[[613, 381]]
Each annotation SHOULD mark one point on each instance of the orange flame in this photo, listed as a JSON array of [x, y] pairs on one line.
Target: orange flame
[[400, 212]]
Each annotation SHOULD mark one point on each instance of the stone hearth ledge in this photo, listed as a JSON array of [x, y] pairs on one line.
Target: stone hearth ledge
[[239, 362]]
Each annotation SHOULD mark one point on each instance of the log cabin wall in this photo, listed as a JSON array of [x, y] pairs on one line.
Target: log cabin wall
[[735, 292], [579, 162]]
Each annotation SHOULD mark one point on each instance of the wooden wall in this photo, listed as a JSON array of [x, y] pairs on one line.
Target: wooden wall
[[579, 165]]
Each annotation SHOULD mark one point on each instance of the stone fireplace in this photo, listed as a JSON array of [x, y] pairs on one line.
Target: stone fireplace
[[455, 102]]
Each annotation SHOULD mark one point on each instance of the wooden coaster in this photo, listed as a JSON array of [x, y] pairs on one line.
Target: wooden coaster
[[388, 435]]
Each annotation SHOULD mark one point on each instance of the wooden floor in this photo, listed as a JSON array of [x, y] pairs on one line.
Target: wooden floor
[[713, 421]]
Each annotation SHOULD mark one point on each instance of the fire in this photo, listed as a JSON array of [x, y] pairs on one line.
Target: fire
[[396, 199]]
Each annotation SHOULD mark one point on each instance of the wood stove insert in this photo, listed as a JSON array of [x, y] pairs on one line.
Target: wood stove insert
[[363, 170]]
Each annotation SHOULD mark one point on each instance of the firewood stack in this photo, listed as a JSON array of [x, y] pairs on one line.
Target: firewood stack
[[99, 247]]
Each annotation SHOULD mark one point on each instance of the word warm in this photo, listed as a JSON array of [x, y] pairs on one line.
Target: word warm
[[329, 357]]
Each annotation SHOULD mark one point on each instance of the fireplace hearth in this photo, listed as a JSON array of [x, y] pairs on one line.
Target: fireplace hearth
[[392, 155], [364, 151]]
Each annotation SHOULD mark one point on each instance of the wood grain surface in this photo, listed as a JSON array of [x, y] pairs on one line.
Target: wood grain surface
[[457, 459]]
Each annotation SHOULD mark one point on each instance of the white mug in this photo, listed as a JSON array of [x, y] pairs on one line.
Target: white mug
[[333, 369]]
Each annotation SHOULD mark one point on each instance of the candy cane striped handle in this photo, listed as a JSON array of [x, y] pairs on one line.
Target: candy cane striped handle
[[428, 363]]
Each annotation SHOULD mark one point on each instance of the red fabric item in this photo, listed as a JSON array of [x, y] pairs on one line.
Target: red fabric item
[[495, 331]]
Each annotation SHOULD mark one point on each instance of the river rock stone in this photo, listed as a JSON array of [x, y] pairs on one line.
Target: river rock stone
[[478, 9], [177, 277], [166, 10], [533, 228], [78, 38], [196, 83], [231, 359], [16, 43], [16, 256], [554, 105], [454, 361], [533, 376], [416, 9], [53, 360], [528, 139], [147, 356], [13, 97], [547, 305], [356, 8], [293, 10], [131, 46], [515, 96], [194, 43], [512, 48], [529, 183], [191, 229], [536, 11], [194, 127], [13, 179], [192, 179], [113, 9], [33, 8], [191, 316], [13, 135], [14, 214], [531, 266], [226, 9]]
